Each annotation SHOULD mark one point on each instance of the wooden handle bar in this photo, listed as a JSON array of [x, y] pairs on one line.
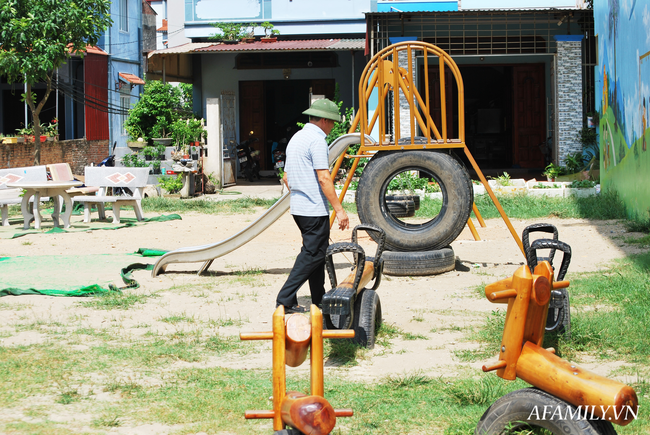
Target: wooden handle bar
[[309, 414], [560, 284], [256, 336], [328, 333], [258, 414], [500, 365], [250, 415], [605, 398], [338, 333], [502, 295], [298, 339]]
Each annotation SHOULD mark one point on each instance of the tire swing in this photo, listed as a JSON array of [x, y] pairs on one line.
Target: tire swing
[[414, 247]]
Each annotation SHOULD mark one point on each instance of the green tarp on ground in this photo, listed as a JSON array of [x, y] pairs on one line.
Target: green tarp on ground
[[18, 277]]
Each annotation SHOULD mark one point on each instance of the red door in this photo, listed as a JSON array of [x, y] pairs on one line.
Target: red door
[[529, 126]]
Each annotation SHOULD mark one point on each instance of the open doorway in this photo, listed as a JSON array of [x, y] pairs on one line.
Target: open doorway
[[505, 120], [271, 110]]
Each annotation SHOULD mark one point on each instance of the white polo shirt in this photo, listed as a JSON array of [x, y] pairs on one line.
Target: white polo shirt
[[307, 151]]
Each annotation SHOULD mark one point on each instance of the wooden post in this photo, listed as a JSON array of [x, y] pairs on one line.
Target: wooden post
[[316, 360], [297, 340], [279, 374]]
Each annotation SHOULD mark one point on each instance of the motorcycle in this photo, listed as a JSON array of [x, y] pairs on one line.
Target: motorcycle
[[248, 158], [278, 155]]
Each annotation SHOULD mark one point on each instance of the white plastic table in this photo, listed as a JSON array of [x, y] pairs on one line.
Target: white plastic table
[[38, 189]]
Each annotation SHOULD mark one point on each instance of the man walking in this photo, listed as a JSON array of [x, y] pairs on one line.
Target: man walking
[[308, 178]]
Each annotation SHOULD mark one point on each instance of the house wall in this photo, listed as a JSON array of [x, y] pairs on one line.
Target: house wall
[[305, 17], [125, 49], [218, 74], [78, 153], [623, 101]]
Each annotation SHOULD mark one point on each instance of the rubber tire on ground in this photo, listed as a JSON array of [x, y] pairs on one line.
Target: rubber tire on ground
[[419, 263], [288, 431], [516, 407], [565, 324], [457, 199], [414, 198], [401, 209], [367, 318]]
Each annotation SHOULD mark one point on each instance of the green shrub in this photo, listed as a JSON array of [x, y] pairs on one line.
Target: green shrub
[[171, 184]]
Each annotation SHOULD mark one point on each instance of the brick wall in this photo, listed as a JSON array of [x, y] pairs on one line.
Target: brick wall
[[569, 97], [78, 153]]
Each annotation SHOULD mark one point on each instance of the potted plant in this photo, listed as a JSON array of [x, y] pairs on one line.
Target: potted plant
[[270, 34], [250, 33], [231, 33], [552, 171], [161, 131]]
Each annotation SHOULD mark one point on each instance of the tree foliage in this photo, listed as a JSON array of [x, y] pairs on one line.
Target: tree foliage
[[160, 105], [38, 36]]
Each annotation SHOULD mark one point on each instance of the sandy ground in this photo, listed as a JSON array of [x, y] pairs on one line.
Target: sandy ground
[[429, 306]]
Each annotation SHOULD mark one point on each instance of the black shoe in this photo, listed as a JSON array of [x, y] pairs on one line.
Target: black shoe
[[295, 309]]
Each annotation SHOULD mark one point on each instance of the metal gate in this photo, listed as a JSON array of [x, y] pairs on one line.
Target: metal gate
[[229, 135]]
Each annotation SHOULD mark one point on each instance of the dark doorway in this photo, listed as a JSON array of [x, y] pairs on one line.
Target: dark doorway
[[504, 113], [272, 109]]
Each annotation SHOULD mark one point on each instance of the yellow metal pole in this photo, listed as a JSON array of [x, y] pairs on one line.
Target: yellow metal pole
[[412, 110], [495, 201], [478, 215], [443, 100], [472, 228]]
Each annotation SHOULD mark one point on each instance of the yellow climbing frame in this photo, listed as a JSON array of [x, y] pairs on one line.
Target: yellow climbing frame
[[390, 83]]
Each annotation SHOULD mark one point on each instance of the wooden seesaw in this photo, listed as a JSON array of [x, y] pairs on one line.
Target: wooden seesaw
[[292, 337], [566, 398]]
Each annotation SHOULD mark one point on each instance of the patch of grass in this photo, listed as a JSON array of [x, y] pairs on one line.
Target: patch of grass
[[607, 205], [107, 420], [176, 205], [178, 318], [641, 241], [253, 271], [115, 301], [27, 243], [409, 336], [125, 388]]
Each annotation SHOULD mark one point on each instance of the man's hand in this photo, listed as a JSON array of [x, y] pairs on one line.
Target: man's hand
[[344, 221], [327, 186]]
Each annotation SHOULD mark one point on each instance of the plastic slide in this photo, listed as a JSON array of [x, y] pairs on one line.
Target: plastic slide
[[208, 253]]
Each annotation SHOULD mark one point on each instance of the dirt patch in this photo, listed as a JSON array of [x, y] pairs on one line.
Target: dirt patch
[[238, 294]]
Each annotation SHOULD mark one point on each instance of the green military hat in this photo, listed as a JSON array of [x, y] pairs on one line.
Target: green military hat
[[324, 109]]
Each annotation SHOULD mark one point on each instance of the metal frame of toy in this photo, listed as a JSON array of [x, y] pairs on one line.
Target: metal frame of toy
[[380, 74]]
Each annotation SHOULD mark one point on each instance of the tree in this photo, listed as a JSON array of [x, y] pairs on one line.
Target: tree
[[160, 105], [38, 36]]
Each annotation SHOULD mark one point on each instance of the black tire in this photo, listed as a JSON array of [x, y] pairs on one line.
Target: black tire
[[367, 318], [558, 320], [419, 263], [288, 431], [401, 208], [414, 198], [512, 411], [457, 199]]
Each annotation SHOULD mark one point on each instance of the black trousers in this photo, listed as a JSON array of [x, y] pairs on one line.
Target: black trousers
[[310, 263]]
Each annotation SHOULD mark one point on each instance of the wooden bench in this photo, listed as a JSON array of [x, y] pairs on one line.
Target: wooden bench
[[10, 196], [104, 177]]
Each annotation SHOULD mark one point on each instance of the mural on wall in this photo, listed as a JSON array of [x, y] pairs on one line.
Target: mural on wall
[[623, 72]]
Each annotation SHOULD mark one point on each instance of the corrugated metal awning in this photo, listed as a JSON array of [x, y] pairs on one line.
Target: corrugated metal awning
[[280, 45]]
